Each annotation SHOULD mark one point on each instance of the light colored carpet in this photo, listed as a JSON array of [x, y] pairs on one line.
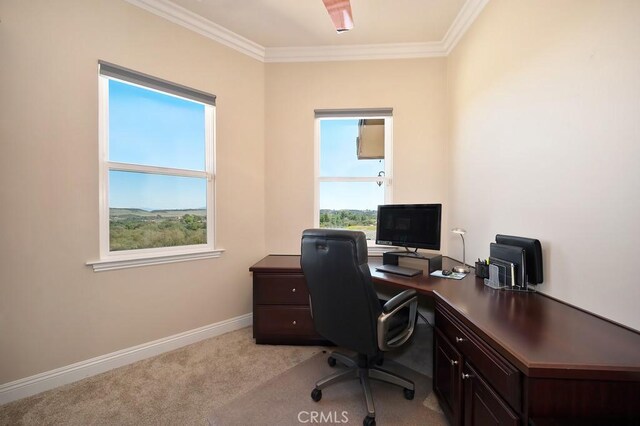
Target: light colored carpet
[[285, 400], [180, 387]]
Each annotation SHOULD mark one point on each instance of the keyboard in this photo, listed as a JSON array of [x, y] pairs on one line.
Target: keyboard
[[399, 270]]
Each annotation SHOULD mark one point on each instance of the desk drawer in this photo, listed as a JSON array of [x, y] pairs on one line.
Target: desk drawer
[[280, 289], [500, 374], [284, 321]]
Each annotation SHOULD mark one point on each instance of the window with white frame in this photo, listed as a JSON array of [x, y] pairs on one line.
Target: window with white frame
[[156, 170], [353, 168]]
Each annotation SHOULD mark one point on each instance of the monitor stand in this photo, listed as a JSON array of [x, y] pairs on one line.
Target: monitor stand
[[434, 261]]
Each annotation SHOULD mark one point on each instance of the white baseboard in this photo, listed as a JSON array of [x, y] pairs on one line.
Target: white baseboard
[[61, 376]]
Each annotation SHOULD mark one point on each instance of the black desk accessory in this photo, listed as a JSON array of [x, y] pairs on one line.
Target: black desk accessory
[[399, 270], [533, 249], [434, 261], [482, 269]]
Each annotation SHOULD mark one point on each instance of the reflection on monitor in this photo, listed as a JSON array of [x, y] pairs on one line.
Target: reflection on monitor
[[409, 225]]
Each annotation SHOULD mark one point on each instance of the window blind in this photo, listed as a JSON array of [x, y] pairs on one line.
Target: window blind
[[354, 112], [125, 74]]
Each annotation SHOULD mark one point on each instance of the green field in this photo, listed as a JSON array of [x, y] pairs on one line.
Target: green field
[[131, 229], [354, 220]]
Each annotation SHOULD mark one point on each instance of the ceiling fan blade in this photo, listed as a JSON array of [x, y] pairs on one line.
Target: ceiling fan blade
[[340, 13]]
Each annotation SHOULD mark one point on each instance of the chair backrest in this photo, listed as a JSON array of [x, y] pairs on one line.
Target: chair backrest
[[344, 304]]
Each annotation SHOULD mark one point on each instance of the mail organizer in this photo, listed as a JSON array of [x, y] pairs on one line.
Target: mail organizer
[[514, 263]]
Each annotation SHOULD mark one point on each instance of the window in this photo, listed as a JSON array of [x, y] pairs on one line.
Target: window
[[353, 168], [156, 170]]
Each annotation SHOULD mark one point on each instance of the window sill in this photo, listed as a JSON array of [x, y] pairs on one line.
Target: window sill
[[123, 263]]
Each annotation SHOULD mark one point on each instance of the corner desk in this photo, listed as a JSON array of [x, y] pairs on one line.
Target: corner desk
[[500, 357]]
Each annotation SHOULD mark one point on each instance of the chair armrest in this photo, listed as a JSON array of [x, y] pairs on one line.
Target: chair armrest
[[392, 307], [397, 300]]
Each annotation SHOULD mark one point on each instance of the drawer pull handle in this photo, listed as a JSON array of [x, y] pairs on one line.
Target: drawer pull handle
[[293, 290], [460, 340], [294, 323], [466, 376], [454, 362]]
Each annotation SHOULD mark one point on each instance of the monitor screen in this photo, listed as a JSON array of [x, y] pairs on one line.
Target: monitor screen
[[409, 225]]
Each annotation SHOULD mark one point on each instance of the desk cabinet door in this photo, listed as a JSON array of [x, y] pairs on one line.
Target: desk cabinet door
[[482, 406], [447, 381]]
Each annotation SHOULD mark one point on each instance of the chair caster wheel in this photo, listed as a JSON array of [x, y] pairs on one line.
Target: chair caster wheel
[[369, 421], [331, 361], [316, 395], [409, 394]]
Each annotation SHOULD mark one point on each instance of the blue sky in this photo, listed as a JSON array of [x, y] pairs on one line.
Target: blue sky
[[151, 128], [156, 192], [338, 158]]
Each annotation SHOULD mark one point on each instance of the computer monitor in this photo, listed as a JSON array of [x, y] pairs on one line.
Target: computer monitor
[[533, 255], [409, 225]]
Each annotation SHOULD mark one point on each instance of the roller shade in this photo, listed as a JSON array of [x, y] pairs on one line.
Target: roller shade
[[125, 74], [355, 112]]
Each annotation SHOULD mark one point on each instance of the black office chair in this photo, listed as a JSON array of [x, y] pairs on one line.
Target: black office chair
[[346, 310]]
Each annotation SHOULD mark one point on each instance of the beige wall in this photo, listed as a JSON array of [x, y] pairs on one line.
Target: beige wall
[[550, 89], [54, 310], [415, 89], [545, 142]]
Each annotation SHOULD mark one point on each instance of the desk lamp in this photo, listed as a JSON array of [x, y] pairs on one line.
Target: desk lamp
[[462, 269]]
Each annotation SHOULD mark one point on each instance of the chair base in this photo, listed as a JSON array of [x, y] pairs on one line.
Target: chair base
[[359, 368]]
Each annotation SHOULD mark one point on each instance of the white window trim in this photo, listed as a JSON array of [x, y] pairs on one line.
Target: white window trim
[[373, 248], [153, 256], [112, 264]]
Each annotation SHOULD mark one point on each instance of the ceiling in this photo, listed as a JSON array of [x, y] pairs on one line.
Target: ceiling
[[301, 30], [296, 23]]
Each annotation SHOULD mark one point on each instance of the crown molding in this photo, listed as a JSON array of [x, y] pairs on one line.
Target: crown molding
[[202, 26], [354, 52], [194, 22], [461, 23], [463, 20]]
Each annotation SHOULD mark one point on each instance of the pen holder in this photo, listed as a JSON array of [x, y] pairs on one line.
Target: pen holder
[[482, 270]]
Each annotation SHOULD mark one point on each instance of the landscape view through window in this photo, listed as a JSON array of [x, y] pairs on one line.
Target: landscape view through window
[[346, 203], [149, 210]]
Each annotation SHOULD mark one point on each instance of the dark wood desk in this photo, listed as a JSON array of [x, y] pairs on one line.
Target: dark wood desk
[[515, 357]]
